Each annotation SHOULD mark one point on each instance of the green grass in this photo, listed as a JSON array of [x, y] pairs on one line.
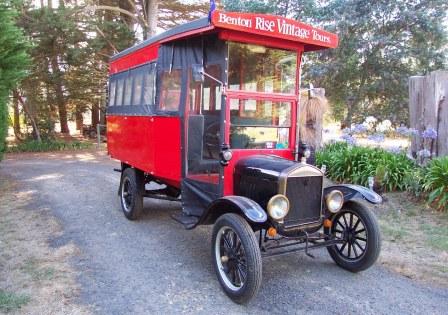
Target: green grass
[[47, 145], [31, 267], [436, 236], [393, 231], [10, 301]]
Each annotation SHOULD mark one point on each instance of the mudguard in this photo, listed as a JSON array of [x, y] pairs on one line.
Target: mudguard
[[355, 191], [251, 210]]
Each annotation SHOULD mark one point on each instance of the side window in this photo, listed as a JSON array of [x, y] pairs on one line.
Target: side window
[[137, 74], [127, 90], [149, 75], [112, 86], [212, 89], [170, 90], [119, 92]]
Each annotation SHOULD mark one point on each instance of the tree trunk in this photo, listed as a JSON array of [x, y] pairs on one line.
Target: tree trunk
[[349, 118], [60, 102], [152, 8], [36, 131], [95, 115], [79, 118], [16, 121]]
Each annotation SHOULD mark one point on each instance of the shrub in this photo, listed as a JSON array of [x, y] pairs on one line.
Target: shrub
[[356, 164], [435, 182], [413, 182], [47, 145]]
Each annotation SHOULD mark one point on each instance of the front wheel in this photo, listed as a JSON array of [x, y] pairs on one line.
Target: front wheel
[[236, 257], [357, 226]]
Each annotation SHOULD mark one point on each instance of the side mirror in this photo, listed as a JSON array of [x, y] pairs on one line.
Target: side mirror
[[197, 72]]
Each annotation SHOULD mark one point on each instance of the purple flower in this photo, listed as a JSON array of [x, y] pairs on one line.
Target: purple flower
[[395, 150], [429, 133], [402, 130], [424, 153], [378, 137], [359, 128], [346, 131], [349, 139], [412, 132]]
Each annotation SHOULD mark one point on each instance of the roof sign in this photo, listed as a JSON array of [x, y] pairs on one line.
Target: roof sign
[[274, 26]]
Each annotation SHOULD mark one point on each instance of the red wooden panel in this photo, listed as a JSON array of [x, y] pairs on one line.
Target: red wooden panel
[[134, 59], [151, 144], [238, 154]]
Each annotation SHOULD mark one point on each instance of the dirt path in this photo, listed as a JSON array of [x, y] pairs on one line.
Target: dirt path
[[155, 266], [34, 277]]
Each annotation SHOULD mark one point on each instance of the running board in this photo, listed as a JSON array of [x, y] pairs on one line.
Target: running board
[[188, 221]]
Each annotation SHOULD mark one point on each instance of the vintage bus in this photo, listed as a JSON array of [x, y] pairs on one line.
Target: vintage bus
[[206, 114]]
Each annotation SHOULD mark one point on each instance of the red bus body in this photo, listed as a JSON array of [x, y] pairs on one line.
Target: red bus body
[[153, 144]]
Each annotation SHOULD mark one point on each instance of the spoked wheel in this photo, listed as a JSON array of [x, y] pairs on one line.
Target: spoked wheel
[[131, 193], [358, 228], [236, 257]]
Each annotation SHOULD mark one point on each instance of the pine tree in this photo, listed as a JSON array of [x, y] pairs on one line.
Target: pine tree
[[13, 63]]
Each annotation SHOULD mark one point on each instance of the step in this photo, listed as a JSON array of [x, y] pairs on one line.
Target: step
[[188, 221]]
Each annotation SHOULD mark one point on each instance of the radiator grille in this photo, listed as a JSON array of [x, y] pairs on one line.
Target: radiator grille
[[305, 196]]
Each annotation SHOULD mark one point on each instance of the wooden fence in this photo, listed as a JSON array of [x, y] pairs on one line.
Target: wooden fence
[[428, 108]]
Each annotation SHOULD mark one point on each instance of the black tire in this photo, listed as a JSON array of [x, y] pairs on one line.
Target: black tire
[[131, 193], [364, 245], [248, 269]]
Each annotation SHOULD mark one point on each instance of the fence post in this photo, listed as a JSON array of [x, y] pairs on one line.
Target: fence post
[[428, 107], [98, 135]]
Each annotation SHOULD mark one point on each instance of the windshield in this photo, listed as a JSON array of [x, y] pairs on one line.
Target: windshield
[[261, 69]]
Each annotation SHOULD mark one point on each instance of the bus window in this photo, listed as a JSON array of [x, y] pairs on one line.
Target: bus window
[[137, 92], [119, 96], [170, 90], [112, 92], [127, 91], [149, 84]]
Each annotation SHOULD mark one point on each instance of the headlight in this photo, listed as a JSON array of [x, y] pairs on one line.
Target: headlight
[[334, 200], [278, 207], [227, 155], [307, 153]]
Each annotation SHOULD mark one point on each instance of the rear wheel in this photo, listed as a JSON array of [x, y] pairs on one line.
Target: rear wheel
[[236, 257], [359, 229], [131, 193]]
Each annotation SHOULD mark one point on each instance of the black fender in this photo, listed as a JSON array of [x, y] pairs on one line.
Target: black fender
[[250, 210], [355, 191]]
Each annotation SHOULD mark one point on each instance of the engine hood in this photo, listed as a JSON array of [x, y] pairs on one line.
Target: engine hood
[[260, 177]]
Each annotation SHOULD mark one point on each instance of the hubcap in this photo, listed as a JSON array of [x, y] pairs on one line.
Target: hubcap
[[349, 227], [230, 258], [126, 195]]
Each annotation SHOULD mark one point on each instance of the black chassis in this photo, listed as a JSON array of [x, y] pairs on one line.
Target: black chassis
[[304, 239]]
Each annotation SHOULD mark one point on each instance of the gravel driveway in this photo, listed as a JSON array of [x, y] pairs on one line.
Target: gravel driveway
[[155, 266]]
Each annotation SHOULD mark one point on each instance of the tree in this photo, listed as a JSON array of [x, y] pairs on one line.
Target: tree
[[13, 62], [148, 15], [69, 68], [382, 43]]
